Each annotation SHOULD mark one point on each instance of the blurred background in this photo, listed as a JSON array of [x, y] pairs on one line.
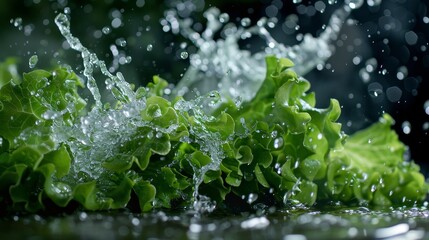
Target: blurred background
[[379, 65]]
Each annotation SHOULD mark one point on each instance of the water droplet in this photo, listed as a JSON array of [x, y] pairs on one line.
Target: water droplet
[[411, 38], [364, 75], [184, 55], [183, 45], [426, 107], [394, 94], [106, 30], [223, 18], [375, 89], [425, 126], [33, 61], [245, 22], [252, 198], [149, 47], [272, 22], [278, 143], [255, 223], [121, 42], [116, 23], [135, 221], [371, 65], [67, 10], [352, 232], [83, 216], [357, 60], [17, 22], [406, 127], [373, 3], [37, 218], [354, 4], [402, 73], [320, 6], [140, 3]]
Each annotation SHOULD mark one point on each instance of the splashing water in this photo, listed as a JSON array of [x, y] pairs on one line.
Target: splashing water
[[218, 64], [106, 129], [90, 60], [236, 73]]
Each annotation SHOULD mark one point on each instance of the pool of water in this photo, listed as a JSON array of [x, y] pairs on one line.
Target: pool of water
[[332, 223]]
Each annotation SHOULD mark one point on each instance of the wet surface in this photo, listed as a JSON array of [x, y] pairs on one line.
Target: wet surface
[[339, 223]]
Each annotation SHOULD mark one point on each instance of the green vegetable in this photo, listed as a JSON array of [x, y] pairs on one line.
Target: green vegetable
[[278, 148]]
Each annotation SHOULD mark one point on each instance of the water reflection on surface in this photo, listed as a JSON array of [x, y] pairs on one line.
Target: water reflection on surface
[[341, 223]]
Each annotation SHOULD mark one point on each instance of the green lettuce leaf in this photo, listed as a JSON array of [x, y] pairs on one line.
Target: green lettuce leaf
[[277, 149]]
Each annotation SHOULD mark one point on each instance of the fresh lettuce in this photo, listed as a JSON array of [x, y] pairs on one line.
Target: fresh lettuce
[[277, 148]]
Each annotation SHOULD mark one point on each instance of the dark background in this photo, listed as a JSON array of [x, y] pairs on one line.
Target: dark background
[[394, 34]]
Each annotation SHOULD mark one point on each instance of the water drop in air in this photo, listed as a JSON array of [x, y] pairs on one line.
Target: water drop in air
[[140, 3], [320, 6], [411, 38], [402, 73], [224, 17], [106, 30], [33, 61], [116, 23], [245, 22], [426, 107], [371, 65], [394, 94], [375, 89], [406, 127], [354, 4], [252, 198], [17, 22], [67, 10], [373, 3], [121, 42], [356, 60], [184, 55], [425, 127], [149, 47]]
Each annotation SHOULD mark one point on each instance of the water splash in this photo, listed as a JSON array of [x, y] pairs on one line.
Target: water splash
[[218, 64], [221, 64], [98, 135], [90, 61]]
